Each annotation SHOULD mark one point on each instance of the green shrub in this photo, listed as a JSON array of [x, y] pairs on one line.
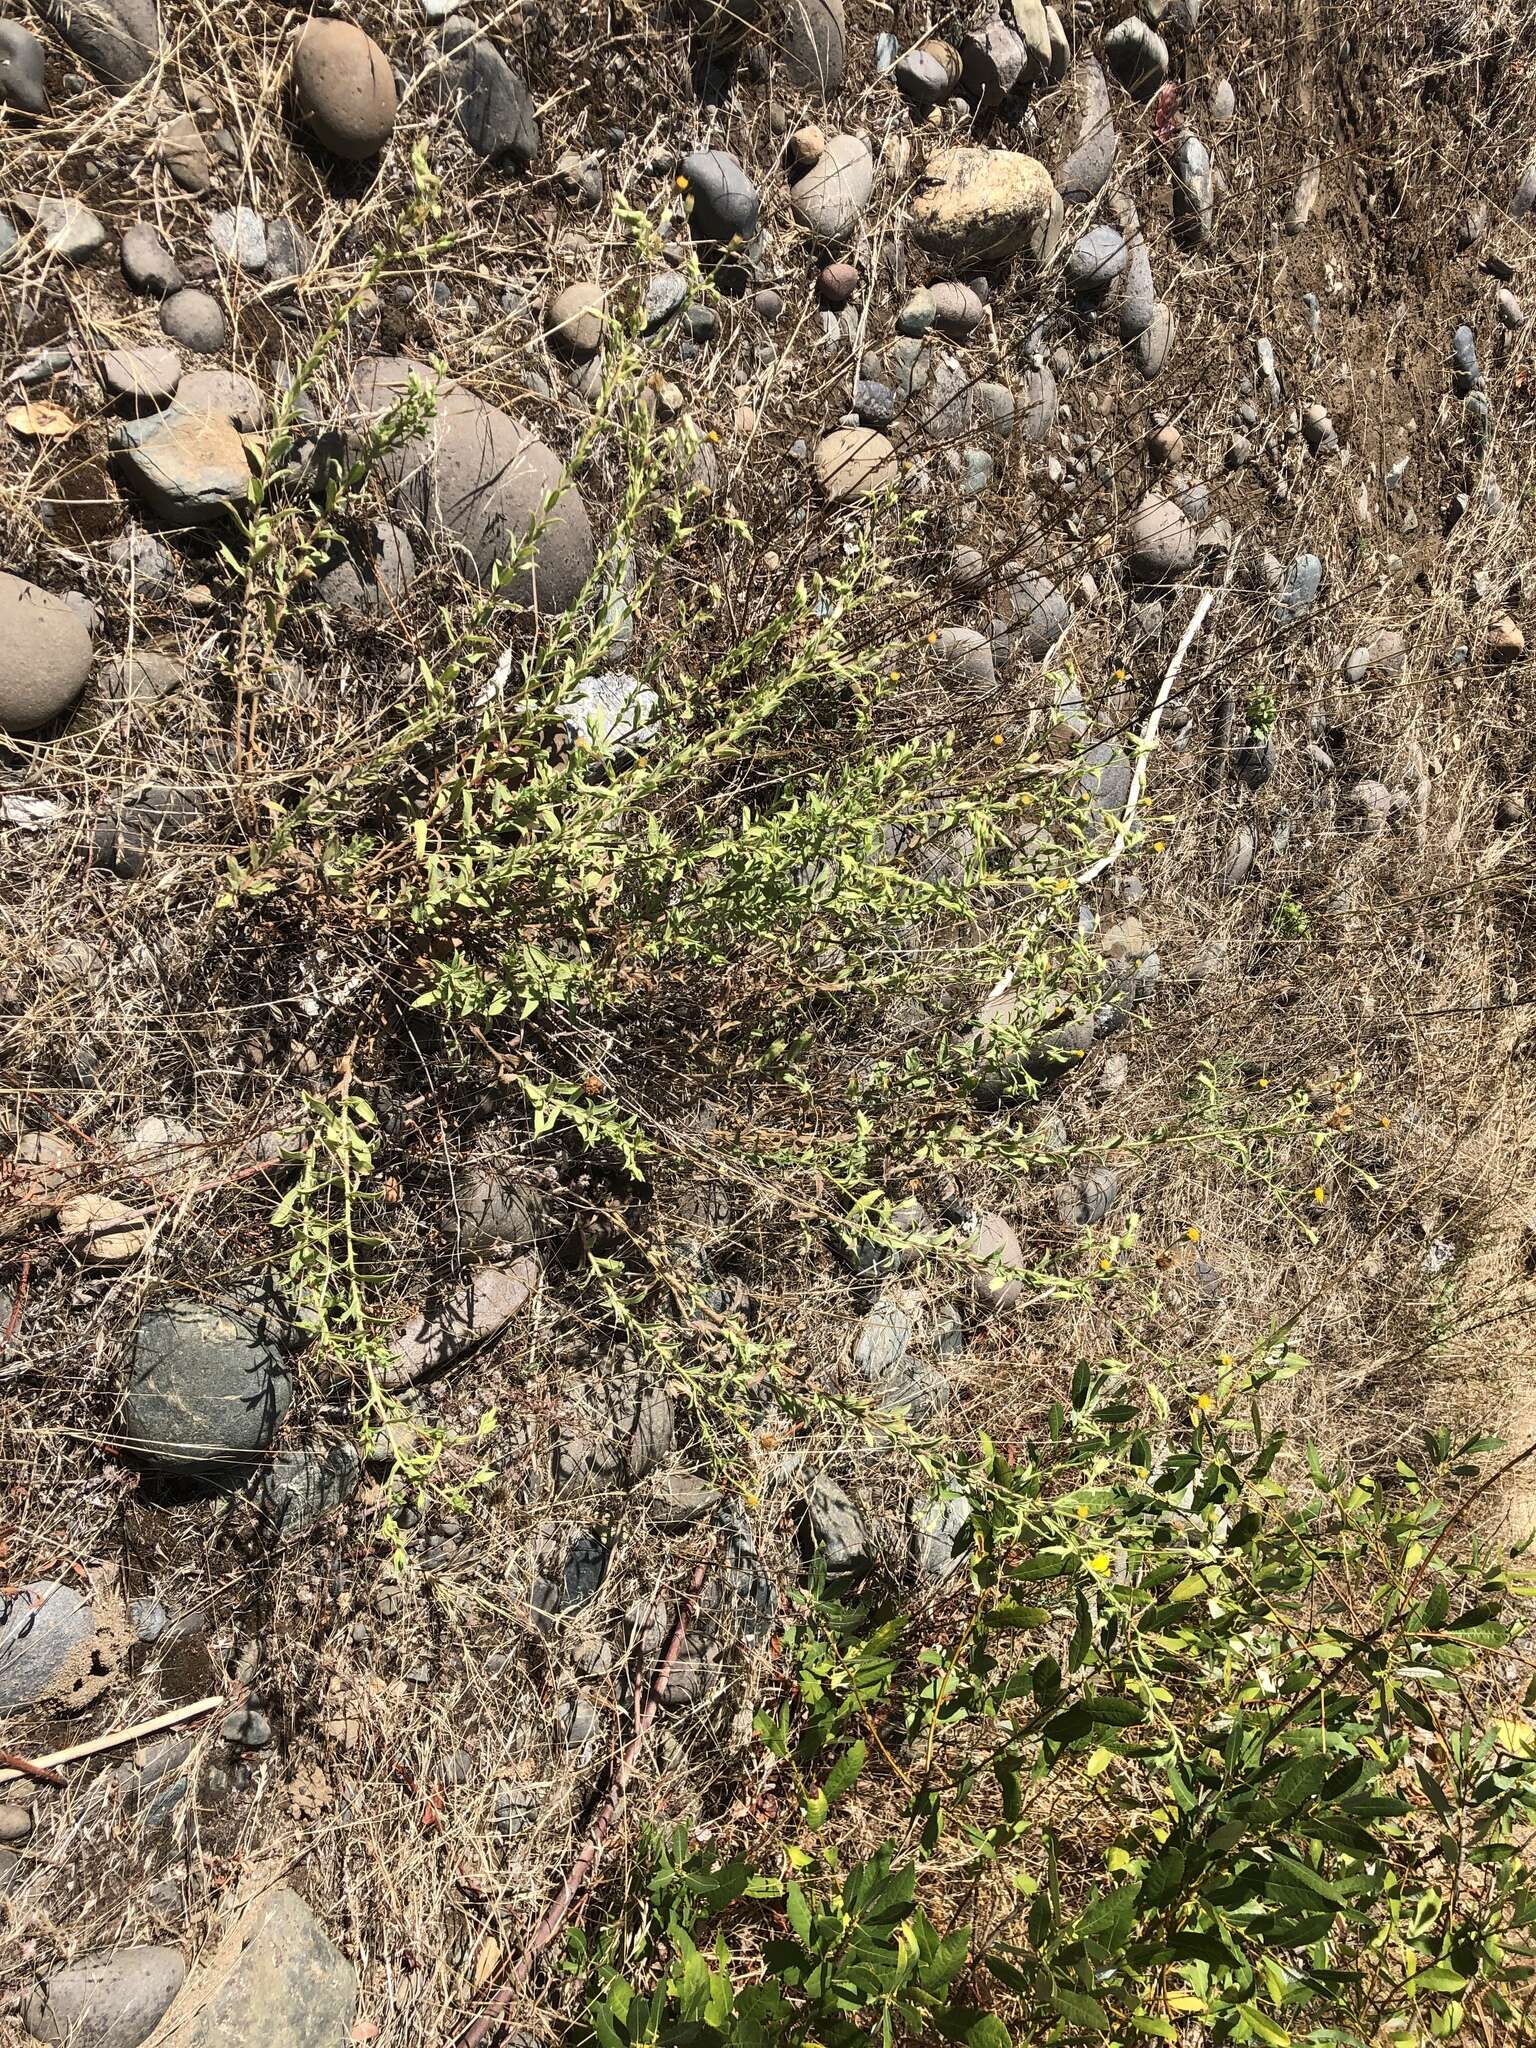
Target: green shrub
[[1192, 1755]]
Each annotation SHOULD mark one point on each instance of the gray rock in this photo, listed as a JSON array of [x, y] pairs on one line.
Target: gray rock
[[977, 471], [882, 1339], [721, 200], [1153, 345], [117, 39], [464, 1317], [21, 69], [1194, 198], [246, 1728], [922, 80], [1367, 808], [46, 1631], [300, 1488], [1094, 261], [195, 319], [1137, 58], [678, 1500], [918, 314], [666, 294], [812, 44], [144, 376], [957, 312], [1083, 175], [378, 568], [150, 1618], [994, 408], [936, 1534], [489, 95], [288, 251], [65, 227], [240, 236], [1254, 759], [1465, 374], [1509, 309], [206, 1390], [1298, 592], [289, 1987], [965, 658], [855, 463], [9, 239], [1237, 861], [45, 656], [1039, 403], [1524, 196], [1138, 294], [626, 1433], [1106, 777], [992, 61], [830, 198], [111, 2000], [498, 1214], [996, 1262], [1090, 1196], [613, 714], [477, 476], [343, 89], [1223, 103], [189, 467], [1039, 612], [1160, 541], [874, 402], [1032, 20], [836, 1529], [148, 264]]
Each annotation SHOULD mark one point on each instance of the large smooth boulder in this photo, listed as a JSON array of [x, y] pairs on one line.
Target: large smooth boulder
[[479, 477], [206, 1391], [117, 39], [45, 655], [111, 2000], [489, 95], [289, 1987], [344, 89], [977, 207]]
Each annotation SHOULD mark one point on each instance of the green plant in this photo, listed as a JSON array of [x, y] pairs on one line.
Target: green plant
[[1199, 1754], [1291, 920]]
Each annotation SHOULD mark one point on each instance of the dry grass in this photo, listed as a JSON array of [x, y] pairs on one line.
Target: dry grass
[[408, 1709]]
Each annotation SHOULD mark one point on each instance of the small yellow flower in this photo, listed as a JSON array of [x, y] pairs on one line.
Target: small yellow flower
[[1106, 1265], [1226, 1359], [681, 182], [933, 639], [1159, 846], [895, 675], [1061, 883], [1263, 1080], [1385, 1122], [1100, 1562], [1204, 1403], [997, 739], [1319, 1195], [712, 436], [1082, 1511], [1193, 1233]]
